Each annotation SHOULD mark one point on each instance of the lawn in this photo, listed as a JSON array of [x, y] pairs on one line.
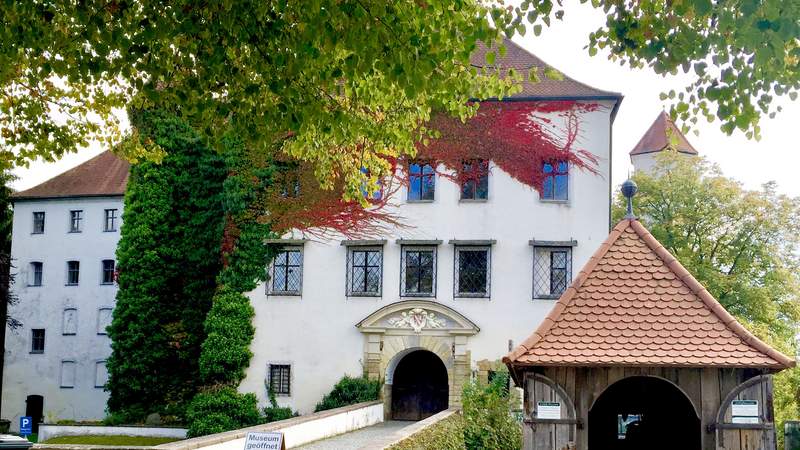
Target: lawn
[[110, 440]]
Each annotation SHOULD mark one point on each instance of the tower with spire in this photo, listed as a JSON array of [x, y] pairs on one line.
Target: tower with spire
[[662, 135]]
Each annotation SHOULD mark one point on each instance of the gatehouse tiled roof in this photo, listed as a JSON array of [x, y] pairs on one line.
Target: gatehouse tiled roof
[[658, 137], [523, 61], [634, 304], [104, 175]]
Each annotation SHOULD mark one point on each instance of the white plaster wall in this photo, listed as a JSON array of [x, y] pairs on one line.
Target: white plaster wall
[[42, 307], [316, 332], [644, 162], [50, 431]]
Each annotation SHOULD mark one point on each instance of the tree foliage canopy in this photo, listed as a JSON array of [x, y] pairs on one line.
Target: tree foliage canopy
[[344, 84]]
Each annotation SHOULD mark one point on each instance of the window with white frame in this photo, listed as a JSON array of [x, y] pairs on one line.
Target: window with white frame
[[100, 374], [38, 222], [70, 322], [552, 271], [556, 181], [103, 320], [76, 221], [73, 272], [108, 271], [37, 340], [418, 271], [68, 374], [280, 379], [364, 270], [472, 271], [36, 274], [287, 272], [110, 220]]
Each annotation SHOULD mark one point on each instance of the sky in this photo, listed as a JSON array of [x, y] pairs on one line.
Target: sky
[[562, 46]]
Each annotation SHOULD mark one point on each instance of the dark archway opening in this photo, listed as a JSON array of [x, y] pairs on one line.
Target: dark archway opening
[[34, 408], [419, 387], [643, 412]]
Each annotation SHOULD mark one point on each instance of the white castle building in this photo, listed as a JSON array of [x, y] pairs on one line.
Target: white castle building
[[64, 239], [422, 308]]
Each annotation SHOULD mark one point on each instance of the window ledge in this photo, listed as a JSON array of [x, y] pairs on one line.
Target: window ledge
[[37, 352], [67, 387], [363, 242], [74, 232], [36, 232], [71, 284], [283, 294], [34, 285], [468, 295], [109, 231], [473, 200], [422, 295], [106, 284], [363, 295], [69, 334], [420, 201], [556, 202], [547, 297], [102, 334]]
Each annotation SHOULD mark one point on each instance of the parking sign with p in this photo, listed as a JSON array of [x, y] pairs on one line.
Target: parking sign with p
[[25, 425]]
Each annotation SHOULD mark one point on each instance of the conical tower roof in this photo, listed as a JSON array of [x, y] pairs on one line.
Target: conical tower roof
[[663, 133]]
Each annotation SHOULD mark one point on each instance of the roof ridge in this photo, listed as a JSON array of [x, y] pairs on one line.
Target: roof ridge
[[568, 294], [702, 293]]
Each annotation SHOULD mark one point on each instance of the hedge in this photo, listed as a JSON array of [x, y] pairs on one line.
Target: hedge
[[447, 434], [349, 391]]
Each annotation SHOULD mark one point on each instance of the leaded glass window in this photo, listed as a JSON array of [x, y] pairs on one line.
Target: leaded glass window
[[556, 181], [280, 382], [475, 180], [552, 271], [418, 267], [287, 272], [364, 267], [421, 181], [472, 274]]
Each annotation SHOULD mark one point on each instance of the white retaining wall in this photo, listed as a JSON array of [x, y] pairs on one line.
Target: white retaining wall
[[49, 431], [296, 431]]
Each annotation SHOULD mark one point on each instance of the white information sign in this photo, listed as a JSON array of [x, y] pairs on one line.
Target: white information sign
[[744, 411], [264, 441], [548, 410]]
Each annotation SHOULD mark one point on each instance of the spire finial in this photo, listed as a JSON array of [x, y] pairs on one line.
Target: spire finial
[[629, 189]]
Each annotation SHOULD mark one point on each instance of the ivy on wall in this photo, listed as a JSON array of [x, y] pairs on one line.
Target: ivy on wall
[[168, 260]]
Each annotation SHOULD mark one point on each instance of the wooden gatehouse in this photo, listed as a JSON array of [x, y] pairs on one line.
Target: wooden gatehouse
[[636, 354]]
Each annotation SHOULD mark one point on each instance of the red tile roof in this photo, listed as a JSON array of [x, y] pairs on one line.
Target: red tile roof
[[521, 60], [634, 304], [104, 175], [658, 138]]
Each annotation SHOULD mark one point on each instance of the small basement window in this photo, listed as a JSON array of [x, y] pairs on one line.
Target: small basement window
[[280, 379]]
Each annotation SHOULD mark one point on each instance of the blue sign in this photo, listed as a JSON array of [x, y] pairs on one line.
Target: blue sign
[[25, 425]]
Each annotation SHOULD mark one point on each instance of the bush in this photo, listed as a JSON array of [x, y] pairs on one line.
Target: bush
[[447, 434], [221, 410], [274, 413], [487, 416], [226, 351], [349, 391]]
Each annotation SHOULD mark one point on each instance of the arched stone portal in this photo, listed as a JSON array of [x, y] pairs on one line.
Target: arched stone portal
[[643, 412], [398, 330], [420, 386]]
